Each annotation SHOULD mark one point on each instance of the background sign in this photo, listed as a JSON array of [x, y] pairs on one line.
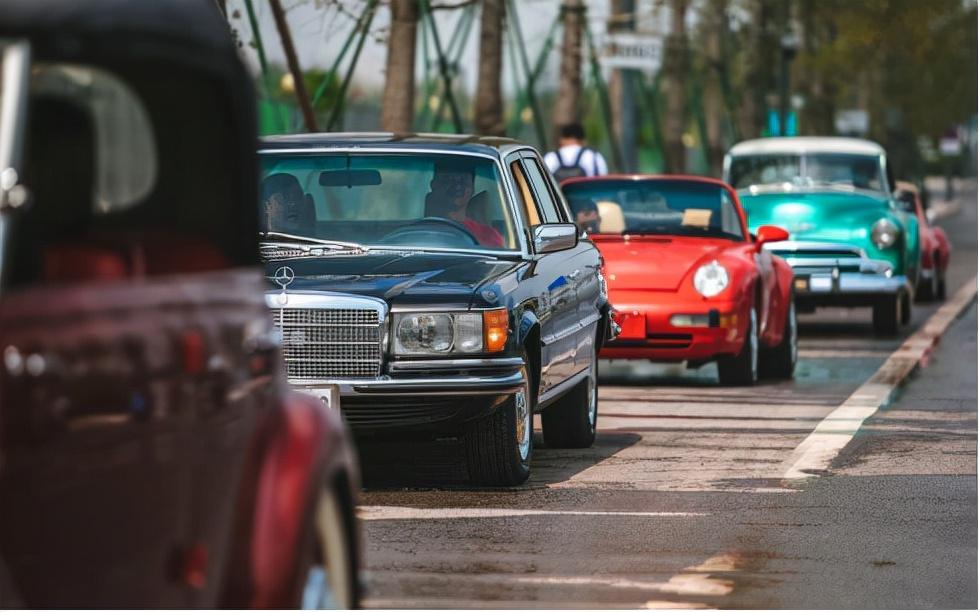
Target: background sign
[[632, 50]]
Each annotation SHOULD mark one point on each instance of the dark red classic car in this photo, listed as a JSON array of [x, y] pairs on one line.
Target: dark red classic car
[[151, 453], [934, 245]]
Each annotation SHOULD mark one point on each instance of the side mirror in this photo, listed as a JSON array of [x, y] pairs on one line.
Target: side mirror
[[555, 237], [770, 233]]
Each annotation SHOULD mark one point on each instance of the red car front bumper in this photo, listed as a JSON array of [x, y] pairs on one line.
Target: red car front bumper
[[648, 332]]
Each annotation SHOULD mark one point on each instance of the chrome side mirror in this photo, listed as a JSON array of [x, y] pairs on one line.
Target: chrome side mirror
[[555, 237]]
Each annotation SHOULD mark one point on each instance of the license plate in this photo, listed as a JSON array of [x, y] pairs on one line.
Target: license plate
[[821, 283], [330, 396]]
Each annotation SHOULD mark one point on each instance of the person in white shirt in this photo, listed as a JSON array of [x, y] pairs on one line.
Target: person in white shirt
[[573, 158]]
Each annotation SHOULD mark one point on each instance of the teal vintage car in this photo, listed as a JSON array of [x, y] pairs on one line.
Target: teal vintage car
[[851, 243]]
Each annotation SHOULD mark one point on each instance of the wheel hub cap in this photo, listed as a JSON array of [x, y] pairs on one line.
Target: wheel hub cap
[[523, 424]]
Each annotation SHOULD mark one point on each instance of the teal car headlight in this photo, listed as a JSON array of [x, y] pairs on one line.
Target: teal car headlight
[[711, 279], [884, 233]]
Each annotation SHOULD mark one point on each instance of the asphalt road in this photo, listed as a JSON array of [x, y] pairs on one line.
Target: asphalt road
[[681, 503]]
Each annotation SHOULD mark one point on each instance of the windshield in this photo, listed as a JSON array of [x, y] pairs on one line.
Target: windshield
[[845, 169], [405, 200], [678, 208]]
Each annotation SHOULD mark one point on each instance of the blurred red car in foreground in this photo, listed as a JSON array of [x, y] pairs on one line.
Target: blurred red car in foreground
[[151, 454], [687, 280], [934, 245]]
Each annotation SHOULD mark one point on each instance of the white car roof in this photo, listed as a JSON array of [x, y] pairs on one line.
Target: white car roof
[[807, 144]]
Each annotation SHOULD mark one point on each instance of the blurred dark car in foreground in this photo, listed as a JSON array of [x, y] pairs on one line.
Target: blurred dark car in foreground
[[438, 280], [151, 453]]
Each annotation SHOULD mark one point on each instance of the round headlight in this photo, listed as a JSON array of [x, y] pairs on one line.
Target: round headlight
[[884, 233], [711, 279], [424, 333]]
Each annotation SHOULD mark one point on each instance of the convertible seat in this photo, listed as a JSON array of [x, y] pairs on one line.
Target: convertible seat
[[611, 218]]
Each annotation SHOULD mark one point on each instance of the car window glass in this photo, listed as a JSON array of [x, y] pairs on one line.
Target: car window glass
[[126, 165], [416, 199], [660, 207], [523, 186], [730, 223], [540, 185]]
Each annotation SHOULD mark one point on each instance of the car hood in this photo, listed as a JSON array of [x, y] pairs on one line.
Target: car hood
[[657, 263], [814, 214], [403, 278]]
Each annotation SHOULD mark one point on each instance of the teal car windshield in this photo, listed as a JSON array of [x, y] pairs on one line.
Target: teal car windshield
[[400, 200], [673, 208], [812, 169]]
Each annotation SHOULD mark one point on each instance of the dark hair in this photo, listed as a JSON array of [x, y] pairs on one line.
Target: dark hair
[[572, 130], [281, 183], [582, 205]]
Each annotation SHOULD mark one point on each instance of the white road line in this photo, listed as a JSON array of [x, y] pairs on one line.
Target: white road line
[[832, 434], [403, 513]]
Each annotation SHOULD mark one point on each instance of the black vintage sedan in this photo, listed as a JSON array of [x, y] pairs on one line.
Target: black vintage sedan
[[439, 281]]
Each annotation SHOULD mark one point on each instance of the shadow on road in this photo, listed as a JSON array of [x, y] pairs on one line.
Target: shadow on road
[[442, 464]]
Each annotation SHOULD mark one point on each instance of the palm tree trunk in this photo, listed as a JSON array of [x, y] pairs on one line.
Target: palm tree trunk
[[299, 85], [677, 68], [398, 100], [763, 56], [489, 117], [568, 105], [716, 23]]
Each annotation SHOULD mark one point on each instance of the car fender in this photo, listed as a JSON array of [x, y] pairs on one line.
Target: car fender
[[306, 449]]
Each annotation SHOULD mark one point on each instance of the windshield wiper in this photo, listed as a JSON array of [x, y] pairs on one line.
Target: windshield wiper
[[334, 245]]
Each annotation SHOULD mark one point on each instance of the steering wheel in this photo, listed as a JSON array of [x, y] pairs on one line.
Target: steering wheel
[[437, 221]]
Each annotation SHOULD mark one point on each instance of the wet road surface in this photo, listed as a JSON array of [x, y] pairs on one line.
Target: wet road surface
[[682, 500]]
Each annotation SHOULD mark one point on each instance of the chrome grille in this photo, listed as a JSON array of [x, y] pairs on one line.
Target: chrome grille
[[330, 343]]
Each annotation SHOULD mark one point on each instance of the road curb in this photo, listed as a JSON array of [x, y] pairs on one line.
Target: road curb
[[814, 455]]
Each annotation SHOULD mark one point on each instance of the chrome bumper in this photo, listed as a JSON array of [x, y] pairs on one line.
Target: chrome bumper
[[827, 269], [433, 377]]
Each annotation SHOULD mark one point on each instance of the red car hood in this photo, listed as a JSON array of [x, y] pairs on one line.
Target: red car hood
[[657, 263]]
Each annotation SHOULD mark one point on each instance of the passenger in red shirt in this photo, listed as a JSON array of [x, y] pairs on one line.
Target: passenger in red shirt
[[451, 196]]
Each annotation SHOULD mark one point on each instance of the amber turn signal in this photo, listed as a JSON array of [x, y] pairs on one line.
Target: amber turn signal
[[494, 330]]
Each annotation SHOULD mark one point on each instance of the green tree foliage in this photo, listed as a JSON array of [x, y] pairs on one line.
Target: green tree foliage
[[911, 63]]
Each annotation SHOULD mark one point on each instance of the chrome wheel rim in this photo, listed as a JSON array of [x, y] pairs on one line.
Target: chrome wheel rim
[[593, 396], [523, 419]]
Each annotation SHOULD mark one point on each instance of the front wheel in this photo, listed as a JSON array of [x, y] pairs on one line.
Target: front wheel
[[499, 446], [886, 315], [780, 361], [330, 579], [571, 421], [742, 369]]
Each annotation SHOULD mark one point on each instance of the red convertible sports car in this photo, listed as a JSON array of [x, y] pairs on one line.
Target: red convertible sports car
[[935, 245], [688, 281]]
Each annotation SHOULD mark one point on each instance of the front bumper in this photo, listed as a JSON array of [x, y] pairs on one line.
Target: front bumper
[[424, 394], [837, 274], [647, 331]]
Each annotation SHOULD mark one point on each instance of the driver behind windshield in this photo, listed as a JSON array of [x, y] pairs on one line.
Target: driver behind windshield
[[451, 196], [284, 205]]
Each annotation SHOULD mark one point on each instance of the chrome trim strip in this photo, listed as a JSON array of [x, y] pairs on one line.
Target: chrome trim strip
[[373, 150], [568, 331], [461, 364], [396, 309], [455, 385], [796, 246], [324, 300]]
